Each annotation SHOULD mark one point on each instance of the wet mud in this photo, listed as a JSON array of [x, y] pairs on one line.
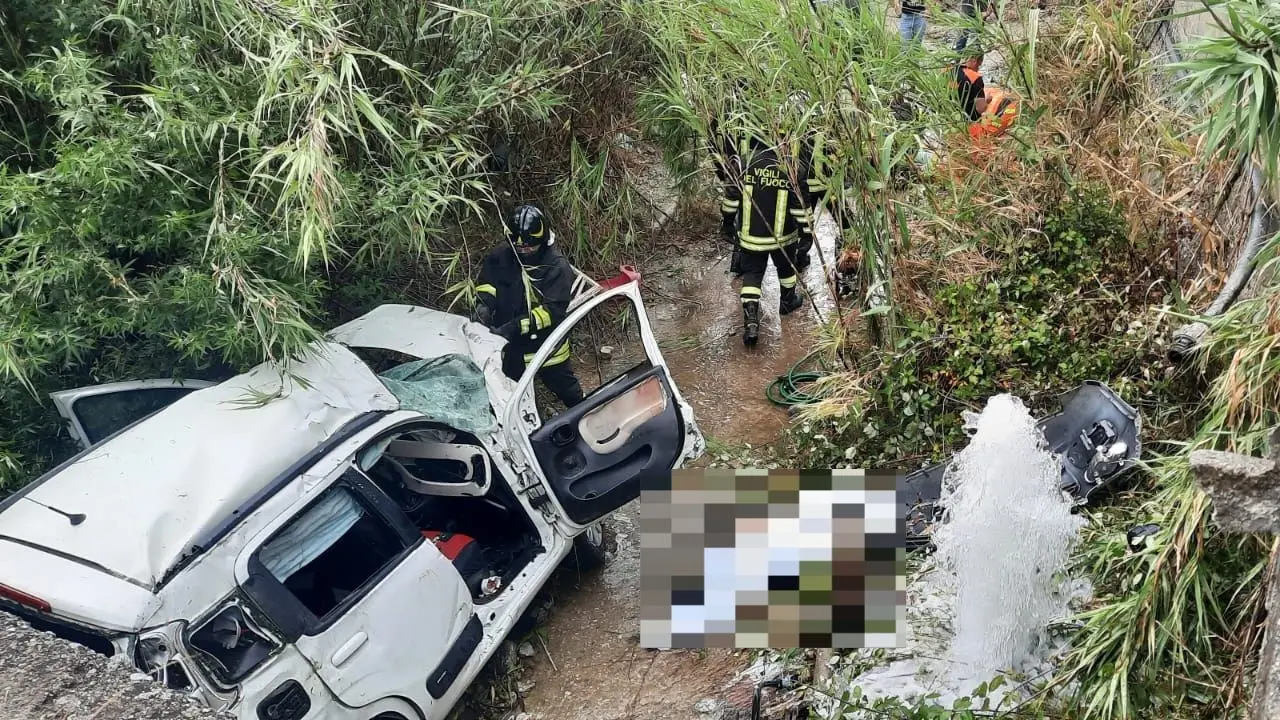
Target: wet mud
[[693, 306]]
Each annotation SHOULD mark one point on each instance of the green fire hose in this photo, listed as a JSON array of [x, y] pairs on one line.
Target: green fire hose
[[786, 390]]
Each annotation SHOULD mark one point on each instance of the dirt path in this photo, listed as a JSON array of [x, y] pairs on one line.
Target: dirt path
[[592, 667]]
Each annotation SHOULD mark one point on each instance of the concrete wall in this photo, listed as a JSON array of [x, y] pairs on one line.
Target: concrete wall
[[1198, 25], [43, 677]]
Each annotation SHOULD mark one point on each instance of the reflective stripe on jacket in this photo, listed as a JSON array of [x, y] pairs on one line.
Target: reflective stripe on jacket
[[535, 297], [774, 212]]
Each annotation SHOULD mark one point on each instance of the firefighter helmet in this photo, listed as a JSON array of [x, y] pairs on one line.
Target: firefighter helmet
[[527, 229]]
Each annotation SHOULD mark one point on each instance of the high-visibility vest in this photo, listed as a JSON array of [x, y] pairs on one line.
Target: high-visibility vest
[[1001, 113], [970, 74]]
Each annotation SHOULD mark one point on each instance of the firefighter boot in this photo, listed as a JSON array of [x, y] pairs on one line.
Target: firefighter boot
[[790, 301], [735, 264], [750, 323]]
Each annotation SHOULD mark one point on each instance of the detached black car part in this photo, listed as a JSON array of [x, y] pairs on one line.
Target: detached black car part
[[1095, 436]]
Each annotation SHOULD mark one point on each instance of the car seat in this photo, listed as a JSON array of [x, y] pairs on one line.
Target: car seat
[[468, 557]]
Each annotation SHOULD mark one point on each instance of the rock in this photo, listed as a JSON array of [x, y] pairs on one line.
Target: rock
[[525, 650], [527, 716], [37, 666], [524, 686], [709, 707], [1243, 489]]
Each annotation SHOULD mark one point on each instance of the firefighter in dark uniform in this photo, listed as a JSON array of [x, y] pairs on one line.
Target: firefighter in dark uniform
[[776, 217], [523, 293]]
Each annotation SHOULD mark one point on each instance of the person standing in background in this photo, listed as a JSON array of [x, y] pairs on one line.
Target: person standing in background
[[969, 9], [969, 86], [911, 24]]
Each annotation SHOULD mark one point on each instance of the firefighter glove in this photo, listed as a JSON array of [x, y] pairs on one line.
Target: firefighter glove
[[728, 231], [508, 331], [482, 314]]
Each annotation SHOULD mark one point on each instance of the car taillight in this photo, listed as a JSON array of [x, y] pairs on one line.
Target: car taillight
[[22, 598]]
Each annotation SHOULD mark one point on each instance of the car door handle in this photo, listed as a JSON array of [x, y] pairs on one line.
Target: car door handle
[[348, 649]]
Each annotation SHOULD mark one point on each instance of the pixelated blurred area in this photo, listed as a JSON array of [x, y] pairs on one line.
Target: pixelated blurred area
[[734, 558]]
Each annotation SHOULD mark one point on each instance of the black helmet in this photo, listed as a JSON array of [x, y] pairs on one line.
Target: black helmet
[[527, 230]]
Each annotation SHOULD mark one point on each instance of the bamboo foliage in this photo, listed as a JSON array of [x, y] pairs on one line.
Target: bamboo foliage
[[1237, 78], [1181, 642], [199, 179]]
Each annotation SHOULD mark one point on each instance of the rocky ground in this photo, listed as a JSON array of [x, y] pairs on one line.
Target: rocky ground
[[45, 678]]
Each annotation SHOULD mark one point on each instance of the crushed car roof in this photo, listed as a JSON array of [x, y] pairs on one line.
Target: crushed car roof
[[419, 332], [154, 489]]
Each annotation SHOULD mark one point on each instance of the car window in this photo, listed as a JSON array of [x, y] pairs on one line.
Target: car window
[[331, 551], [101, 415]]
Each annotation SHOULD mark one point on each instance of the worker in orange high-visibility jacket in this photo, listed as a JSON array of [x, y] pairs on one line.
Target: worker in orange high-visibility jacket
[[999, 115], [968, 84]]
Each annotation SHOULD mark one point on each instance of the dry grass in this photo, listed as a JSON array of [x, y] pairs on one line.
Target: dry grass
[[1104, 122], [929, 264]]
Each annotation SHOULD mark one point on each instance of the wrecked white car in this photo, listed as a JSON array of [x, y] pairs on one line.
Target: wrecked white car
[[346, 542]]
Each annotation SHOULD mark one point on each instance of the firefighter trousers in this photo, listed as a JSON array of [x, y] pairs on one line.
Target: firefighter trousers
[[754, 263], [558, 378]]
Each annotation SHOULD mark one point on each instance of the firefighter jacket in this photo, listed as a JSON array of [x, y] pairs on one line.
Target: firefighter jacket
[[531, 298], [775, 212]]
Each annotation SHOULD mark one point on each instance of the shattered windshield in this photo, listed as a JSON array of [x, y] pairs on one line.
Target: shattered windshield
[[449, 389]]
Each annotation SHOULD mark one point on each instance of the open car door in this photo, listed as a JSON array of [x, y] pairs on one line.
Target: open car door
[[630, 430], [96, 411]]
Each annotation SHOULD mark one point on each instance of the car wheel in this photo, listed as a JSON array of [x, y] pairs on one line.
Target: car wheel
[[594, 546]]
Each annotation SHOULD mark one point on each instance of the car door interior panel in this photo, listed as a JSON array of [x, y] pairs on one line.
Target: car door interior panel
[[599, 453]]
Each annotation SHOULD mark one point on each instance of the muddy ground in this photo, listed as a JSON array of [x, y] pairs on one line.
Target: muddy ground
[[585, 661]]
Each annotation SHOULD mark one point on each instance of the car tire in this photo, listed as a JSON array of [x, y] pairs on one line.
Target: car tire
[[595, 545]]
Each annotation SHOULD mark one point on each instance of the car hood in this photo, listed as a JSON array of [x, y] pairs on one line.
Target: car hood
[[427, 334]]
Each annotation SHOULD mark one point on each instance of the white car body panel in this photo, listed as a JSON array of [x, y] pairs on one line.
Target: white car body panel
[[288, 665], [356, 657], [165, 485], [428, 334], [79, 593], [211, 575]]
